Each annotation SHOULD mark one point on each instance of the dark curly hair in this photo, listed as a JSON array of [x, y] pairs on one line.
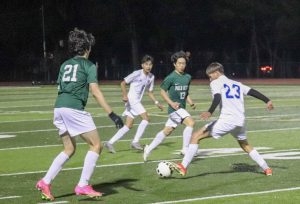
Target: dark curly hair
[[177, 55], [79, 41]]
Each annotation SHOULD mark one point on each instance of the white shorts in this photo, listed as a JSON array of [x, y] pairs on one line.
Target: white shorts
[[177, 117], [73, 121], [133, 110], [220, 128]]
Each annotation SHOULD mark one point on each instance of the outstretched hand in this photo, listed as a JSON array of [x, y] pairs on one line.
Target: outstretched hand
[[205, 115], [117, 120], [160, 106], [193, 106], [270, 105]]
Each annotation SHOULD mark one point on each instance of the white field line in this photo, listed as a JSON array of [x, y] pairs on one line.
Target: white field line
[[229, 195], [170, 137], [148, 107], [137, 163], [163, 114], [9, 197], [57, 202], [151, 123]]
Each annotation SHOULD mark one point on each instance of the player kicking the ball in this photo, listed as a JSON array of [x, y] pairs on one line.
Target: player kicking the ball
[[139, 81], [175, 91], [76, 77], [230, 95]]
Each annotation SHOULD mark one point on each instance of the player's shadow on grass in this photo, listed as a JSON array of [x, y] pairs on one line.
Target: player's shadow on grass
[[107, 188], [235, 168]]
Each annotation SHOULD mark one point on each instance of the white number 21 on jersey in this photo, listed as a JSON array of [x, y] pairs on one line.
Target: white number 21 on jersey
[[70, 73]]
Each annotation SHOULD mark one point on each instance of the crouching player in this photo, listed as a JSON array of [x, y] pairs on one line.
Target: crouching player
[[230, 94]]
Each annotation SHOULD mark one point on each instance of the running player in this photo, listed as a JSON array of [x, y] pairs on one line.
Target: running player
[[76, 77], [230, 95], [139, 81], [175, 91]]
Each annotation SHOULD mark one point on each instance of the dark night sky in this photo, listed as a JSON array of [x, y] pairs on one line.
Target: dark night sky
[[230, 31]]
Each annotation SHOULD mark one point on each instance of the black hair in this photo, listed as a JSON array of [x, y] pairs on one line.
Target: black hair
[[79, 41], [177, 55], [146, 58]]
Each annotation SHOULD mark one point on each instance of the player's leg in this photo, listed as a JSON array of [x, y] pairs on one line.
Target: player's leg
[[192, 149], [159, 138], [121, 132], [187, 133], [83, 187], [139, 109], [44, 185], [255, 156]]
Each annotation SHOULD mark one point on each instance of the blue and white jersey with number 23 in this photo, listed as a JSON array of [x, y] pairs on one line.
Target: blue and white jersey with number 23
[[232, 103]]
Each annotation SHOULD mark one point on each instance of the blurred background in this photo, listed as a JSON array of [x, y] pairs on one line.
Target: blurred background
[[252, 38]]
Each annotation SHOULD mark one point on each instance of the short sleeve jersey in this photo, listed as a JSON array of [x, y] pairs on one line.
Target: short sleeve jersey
[[74, 78], [139, 82], [177, 85], [232, 99]]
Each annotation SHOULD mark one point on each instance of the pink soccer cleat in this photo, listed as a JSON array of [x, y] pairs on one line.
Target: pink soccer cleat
[[268, 172], [45, 190], [87, 191]]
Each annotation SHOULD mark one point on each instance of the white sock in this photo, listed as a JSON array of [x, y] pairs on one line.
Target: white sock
[[189, 155], [55, 167], [187, 134], [88, 168], [159, 138], [119, 134], [255, 156], [140, 131]]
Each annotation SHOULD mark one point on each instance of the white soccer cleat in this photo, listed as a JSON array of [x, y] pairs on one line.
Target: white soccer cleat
[[110, 147], [136, 145], [146, 153]]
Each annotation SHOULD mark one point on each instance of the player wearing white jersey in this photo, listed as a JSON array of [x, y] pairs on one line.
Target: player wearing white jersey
[[230, 95], [140, 81]]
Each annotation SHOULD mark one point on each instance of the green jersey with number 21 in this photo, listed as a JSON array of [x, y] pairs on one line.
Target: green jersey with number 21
[[74, 77], [177, 85]]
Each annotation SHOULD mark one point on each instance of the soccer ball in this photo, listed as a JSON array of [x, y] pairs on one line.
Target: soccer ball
[[163, 169]]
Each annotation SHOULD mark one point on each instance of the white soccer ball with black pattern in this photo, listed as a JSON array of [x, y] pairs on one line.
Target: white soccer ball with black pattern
[[163, 169]]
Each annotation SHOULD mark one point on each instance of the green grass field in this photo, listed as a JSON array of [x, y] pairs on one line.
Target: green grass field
[[221, 174]]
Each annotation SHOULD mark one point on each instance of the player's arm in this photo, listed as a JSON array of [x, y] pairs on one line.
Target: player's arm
[[260, 96], [190, 102], [215, 102], [97, 94], [155, 101], [165, 96], [124, 91]]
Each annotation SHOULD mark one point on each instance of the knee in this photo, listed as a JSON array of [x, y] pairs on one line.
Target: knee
[[192, 123], [167, 131], [97, 148], [129, 126], [145, 117], [194, 139], [70, 151]]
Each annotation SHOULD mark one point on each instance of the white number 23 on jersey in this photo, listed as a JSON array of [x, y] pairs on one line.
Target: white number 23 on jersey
[[70, 73]]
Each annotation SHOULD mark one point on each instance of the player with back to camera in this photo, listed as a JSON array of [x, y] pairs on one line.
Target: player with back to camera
[[140, 81], [175, 91], [77, 76], [230, 95]]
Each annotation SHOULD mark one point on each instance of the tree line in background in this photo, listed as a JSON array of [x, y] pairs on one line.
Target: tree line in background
[[245, 35]]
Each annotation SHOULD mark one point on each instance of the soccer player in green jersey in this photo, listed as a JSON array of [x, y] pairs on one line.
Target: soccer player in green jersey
[[175, 91], [76, 77]]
